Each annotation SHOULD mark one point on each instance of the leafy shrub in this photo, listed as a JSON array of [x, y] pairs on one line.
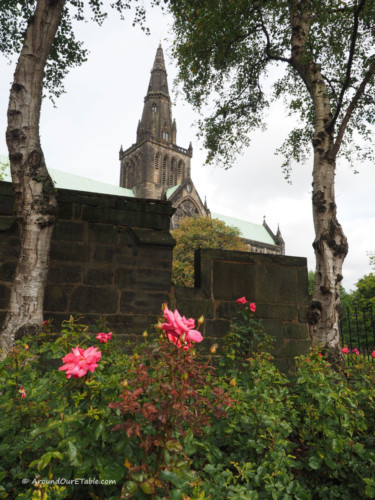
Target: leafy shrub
[[162, 423]]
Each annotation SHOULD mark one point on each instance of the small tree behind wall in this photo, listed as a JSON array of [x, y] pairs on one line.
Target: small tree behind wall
[[200, 233]]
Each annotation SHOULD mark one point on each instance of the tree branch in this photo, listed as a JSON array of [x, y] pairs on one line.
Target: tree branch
[[351, 107], [349, 65], [268, 47]]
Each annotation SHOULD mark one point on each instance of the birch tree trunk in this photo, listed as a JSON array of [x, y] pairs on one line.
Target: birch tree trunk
[[330, 244], [35, 199]]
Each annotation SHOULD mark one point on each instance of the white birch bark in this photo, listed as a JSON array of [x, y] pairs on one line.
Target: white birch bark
[[35, 198]]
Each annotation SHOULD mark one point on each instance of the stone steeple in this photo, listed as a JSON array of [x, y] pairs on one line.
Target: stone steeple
[[156, 122]]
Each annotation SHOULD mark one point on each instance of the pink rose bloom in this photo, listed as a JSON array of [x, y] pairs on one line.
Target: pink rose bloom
[[104, 337], [373, 354], [179, 330], [253, 307], [241, 300], [79, 361], [355, 351], [345, 350], [22, 391]]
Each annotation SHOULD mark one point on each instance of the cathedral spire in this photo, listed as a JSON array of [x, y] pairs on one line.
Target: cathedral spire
[[158, 80], [156, 122]]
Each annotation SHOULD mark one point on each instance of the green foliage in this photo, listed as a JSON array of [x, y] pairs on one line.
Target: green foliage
[[66, 52], [226, 51], [203, 232], [169, 399], [162, 423], [3, 167]]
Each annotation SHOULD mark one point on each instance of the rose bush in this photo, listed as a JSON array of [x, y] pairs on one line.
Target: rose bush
[[162, 423]]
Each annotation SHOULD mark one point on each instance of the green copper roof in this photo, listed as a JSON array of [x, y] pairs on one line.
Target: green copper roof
[[248, 230], [171, 190], [64, 180]]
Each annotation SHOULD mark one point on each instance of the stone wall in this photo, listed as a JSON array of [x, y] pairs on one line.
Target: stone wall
[[111, 259], [276, 283]]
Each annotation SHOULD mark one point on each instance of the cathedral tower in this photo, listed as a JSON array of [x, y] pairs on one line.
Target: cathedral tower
[[155, 163]]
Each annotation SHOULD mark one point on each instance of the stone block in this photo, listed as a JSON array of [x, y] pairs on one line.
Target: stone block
[[90, 299], [226, 310], [4, 296], [104, 254], [55, 298], [287, 312], [125, 277], [187, 293], [153, 279], [64, 274], [191, 308], [9, 248], [6, 205], [105, 234], [216, 328], [233, 280], [296, 331], [99, 276], [7, 271], [274, 327], [132, 323], [148, 236], [125, 237], [277, 284], [65, 210], [140, 302], [7, 223], [69, 231], [69, 251]]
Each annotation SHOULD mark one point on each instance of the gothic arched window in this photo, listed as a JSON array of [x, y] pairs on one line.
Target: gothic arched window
[[164, 170], [171, 171], [156, 161], [165, 135], [180, 167], [154, 108]]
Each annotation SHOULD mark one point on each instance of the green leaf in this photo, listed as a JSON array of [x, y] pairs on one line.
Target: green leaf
[[171, 477], [315, 462], [113, 471], [148, 487], [130, 487], [173, 445], [175, 495], [99, 430]]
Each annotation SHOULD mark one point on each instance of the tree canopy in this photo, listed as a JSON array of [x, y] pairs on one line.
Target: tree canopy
[[200, 233], [231, 51], [66, 51]]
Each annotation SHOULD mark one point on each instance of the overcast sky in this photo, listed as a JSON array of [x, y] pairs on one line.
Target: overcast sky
[[100, 112]]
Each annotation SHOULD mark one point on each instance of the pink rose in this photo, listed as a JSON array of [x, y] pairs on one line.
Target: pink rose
[[104, 337], [355, 351], [373, 354], [179, 330], [345, 350], [241, 300], [22, 391], [79, 361], [253, 307]]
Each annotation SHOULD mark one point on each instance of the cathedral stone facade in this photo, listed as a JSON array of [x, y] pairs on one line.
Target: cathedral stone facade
[[156, 167]]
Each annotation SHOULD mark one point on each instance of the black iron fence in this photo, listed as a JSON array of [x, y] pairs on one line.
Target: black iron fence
[[357, 331]]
